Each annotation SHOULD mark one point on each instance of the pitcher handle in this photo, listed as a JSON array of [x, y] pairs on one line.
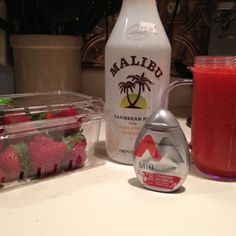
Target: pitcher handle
[[173, 85]]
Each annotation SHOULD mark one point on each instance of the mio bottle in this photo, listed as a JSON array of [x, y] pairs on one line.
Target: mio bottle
[[161, 153]]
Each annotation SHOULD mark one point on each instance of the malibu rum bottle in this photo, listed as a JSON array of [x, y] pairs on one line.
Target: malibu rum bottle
[[137, 71]]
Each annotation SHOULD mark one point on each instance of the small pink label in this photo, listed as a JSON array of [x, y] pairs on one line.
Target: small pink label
[[160, 180]]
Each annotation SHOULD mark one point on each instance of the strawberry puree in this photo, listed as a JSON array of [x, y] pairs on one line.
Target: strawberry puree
[[214, 119]]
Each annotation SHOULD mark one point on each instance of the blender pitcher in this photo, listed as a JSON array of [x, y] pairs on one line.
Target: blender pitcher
[[213, 125]]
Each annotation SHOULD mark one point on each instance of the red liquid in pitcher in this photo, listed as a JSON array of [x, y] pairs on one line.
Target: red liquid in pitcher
[[214, 120]]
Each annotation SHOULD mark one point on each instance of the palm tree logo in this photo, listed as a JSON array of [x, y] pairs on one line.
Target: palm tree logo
[[132, 99]]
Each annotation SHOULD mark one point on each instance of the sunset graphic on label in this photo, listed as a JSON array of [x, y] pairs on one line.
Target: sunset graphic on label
[[148, 144], [134, 99]]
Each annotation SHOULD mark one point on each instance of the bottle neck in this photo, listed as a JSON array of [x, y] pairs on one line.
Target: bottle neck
[[141, 6], [140, 2]]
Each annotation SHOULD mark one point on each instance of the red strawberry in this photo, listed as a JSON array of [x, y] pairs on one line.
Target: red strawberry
[[16, 117], [45, 154], [50, 115], [1, 145], [14, 160], [70, 111], [2, 177], [76, 154], [1, 116]]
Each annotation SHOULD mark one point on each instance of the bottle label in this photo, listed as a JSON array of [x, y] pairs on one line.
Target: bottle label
[[147, 26], [158, 165], [160, 180], [141, 31], [134, 86]]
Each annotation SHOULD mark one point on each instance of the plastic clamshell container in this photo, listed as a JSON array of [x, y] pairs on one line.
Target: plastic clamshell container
[[42, 134]]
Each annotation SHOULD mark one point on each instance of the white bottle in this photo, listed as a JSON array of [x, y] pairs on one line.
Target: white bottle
[[137, 71]]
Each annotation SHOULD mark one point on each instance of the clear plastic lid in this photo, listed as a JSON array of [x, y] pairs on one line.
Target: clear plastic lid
[[20, 112]]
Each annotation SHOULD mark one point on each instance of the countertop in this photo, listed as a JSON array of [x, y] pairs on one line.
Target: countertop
[[106, 199]]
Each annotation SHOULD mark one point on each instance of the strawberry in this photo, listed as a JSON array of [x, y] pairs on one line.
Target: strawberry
[[16, 117], [76, 154], [45, 154], [1, 126], [49, 115], [1, 145], [1, 116], [69, 111], [14, 160], [2, 177]]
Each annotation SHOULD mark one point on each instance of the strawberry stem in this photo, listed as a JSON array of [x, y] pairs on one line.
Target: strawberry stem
[[71, 140], [22, 150]]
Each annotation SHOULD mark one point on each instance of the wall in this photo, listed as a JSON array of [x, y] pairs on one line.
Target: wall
[[189, 37], [189, 33], [6, 74], [2, 35], [92, 81]]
